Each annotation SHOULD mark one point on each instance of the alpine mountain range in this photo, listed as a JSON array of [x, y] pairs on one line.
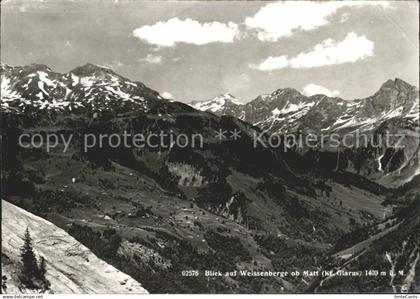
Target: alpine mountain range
[[148, 215]]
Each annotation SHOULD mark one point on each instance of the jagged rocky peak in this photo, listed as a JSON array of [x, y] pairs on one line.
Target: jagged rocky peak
[[289, 92], [222, 104], [397, 83], [90, 69], [25, 71], [89, 87], [394, 94], [227, 97], [397, 87], [33, 67], [280, 99]]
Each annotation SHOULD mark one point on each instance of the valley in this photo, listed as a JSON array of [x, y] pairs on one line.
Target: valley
[[153, 213]]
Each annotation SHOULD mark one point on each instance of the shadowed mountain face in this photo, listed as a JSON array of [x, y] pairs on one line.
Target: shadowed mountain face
[[287, 110], [229, 203], [389, 114]]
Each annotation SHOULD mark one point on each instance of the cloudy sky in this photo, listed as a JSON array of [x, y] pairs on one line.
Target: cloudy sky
[[197, 50]]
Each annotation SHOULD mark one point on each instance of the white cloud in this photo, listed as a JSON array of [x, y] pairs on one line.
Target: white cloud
[[150, 58], [277, 20], [167, 95], [328, 52], [313, 89], [272, 63], [167, 34], [353, 48]]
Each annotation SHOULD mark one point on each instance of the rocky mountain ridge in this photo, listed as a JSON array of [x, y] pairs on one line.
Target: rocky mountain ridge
[[89, 88], [287, 110], [392, 111]]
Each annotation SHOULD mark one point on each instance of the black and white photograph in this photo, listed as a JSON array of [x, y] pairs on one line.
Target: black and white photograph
[[209, 147]]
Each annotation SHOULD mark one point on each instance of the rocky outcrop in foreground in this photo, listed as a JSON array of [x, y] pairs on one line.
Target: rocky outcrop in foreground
[[71, 267]]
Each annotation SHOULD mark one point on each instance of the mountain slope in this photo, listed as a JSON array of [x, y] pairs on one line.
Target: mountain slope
[[86, 89], [71, 267], [224, 104], [389, 251], [155, 211]]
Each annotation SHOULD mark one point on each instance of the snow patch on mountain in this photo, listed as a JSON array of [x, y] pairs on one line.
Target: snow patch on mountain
[[43, 77], [290, 107], [414, 111], [7, 94]]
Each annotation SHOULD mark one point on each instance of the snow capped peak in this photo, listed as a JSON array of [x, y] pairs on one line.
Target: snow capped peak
[[217, 104], [88, 87], [90, 69], [213, 105], [290, 92], [227, 97]]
